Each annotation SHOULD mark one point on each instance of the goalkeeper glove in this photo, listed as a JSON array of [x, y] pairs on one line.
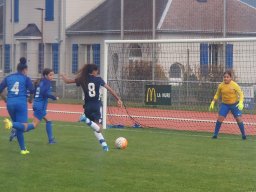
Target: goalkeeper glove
[[211, 106], [240, 105]]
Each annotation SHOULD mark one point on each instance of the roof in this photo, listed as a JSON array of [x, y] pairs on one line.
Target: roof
[[30, 31], [106, 17], [190, 16], [208, 17]]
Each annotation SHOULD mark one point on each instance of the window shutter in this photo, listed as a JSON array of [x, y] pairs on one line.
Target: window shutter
[[204, 58], [49, 10], [74, 58], [229, 56], [96, 54], [55, 57]]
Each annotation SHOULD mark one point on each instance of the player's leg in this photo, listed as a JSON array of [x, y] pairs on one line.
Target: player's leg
[[49, 131], [224, 109], [238, 116], [13, 133], [98, 119], [94, 119], [21, 116]]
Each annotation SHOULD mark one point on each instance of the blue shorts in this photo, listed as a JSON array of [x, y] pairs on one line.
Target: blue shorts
[[39, 110], [225, 108], [93, 111], [18, 111]]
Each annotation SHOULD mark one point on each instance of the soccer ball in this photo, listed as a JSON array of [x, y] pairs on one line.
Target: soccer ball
[[121, 143]]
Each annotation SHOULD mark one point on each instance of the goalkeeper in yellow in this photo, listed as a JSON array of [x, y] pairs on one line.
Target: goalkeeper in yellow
[[232, 100]]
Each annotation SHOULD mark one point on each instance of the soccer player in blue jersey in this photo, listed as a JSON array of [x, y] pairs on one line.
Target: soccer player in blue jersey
[[42, 93], [17, 85], [90, 82]]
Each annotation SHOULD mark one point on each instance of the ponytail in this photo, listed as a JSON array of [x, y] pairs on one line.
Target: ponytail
[[22, 65], [83, 75]]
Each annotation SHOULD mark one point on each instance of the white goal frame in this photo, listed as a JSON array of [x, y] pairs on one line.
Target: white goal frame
[[108, 42]]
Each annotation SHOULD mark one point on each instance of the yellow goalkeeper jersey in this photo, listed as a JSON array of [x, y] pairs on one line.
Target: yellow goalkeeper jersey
[[230, 93]]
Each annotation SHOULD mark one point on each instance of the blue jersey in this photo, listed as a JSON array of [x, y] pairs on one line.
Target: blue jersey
[[43, 91], [17, 85], [92, 89]]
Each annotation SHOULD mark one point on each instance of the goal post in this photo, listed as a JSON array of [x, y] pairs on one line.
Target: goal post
[[169, 83]]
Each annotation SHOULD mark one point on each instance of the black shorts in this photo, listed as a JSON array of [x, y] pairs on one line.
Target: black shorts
[[93, 111]]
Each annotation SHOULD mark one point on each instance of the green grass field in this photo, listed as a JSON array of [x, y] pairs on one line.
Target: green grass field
[[154, 161]]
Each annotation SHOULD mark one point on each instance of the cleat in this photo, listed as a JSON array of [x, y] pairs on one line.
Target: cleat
[[7, 124], [105, 148], [244, 137], [24, 152], [52, 141], [82, 118], [214, 137], [12, 135]]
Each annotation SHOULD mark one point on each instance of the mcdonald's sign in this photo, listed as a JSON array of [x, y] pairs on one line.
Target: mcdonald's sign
[[158, 95]]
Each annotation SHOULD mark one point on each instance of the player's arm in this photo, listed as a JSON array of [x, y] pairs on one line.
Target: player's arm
[[119, 101], [215, 98], [45, 91], [240, 93], [31, 90], [67, 80], [3, 85]]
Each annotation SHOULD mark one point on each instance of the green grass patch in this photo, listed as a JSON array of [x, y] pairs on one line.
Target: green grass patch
[[155, 161]]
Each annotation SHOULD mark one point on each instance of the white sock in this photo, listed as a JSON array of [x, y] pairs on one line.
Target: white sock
[[92, 125], [100, 138]]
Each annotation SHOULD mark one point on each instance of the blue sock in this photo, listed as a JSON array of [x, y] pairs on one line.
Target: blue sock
[[30, 127], [241, 127], [217, 128], [20, 138], [19, 126], [49, 130]]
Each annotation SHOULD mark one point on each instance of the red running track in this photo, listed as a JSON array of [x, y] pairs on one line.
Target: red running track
[[156, 118]]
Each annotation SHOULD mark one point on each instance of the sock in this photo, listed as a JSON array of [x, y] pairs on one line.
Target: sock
[[49, 130], [20, 138], [217, 128], [19, 126], [93, 125], [241, 127], [30, 127], [100, 138]]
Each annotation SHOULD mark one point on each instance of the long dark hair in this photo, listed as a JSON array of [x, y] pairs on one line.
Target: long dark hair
[[46, 72], [22, 64], [83, 75]]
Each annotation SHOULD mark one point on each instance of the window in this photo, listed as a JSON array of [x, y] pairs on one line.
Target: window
[[115, 60], [74, 58], [40, 57], [213, 55], [55, 57], [135, 53], [16, 10], [7, 58], [88, 54], [204, 57], [23, 50], [229, 56], [175, 71], [96, 54], [49, 10]]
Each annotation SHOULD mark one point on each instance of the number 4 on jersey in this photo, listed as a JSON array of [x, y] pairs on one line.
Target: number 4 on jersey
[[15, 88]]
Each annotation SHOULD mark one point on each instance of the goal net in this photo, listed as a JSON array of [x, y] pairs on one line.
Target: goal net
[[169, 84]]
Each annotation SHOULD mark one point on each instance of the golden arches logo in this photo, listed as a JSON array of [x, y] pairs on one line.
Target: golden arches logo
[[151, 95]]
